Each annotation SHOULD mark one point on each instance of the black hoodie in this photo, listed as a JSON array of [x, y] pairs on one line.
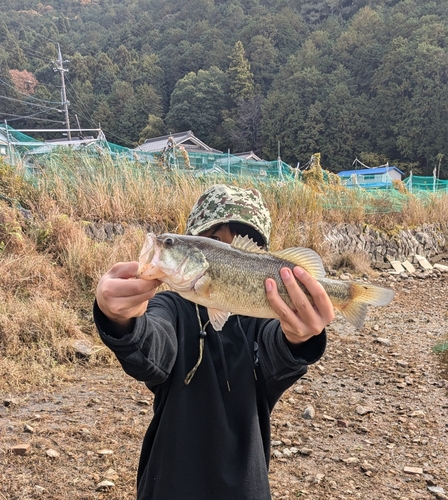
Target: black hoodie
[[210, 439]]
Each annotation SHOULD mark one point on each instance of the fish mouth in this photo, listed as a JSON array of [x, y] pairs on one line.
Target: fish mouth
[[149, 267], [146, 266]]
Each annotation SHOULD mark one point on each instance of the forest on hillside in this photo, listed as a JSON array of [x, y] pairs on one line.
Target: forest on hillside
[[363, 79]]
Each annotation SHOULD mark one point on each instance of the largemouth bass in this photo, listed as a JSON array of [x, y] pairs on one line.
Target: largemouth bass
[[230, 279]]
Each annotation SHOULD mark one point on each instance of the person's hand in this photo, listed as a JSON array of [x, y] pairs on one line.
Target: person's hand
[[310, 317], [122, 297]]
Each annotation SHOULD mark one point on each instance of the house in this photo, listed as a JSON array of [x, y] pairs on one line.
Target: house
[[185, 139], [186, 152], [248, 155], [378, 177]]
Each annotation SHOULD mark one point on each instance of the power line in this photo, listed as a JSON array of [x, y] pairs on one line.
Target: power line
[[15, 114], [27, 28], [28, 103], [29, 96], [32, 117], [80, 101], [34, 55]]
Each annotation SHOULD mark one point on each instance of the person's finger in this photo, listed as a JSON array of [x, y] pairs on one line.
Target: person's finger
[[121, 295], [319, 297], [131, 287], [302, 304], [277, 303], [303, 319], [123, 270], [120, 281]]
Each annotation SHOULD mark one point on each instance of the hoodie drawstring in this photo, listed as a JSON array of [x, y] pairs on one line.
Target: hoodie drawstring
[[202, 335]]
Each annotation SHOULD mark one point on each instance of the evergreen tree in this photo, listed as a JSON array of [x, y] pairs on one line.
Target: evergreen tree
[[246, 134], [240, 77]]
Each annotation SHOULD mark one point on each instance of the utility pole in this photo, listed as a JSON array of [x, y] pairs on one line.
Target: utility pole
[[59, 67]]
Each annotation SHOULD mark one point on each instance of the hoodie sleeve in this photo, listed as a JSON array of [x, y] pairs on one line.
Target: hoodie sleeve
[[283, 363], [148, 352]]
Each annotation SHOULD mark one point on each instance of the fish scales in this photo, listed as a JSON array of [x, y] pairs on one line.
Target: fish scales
[[245, 274], [230, 279]]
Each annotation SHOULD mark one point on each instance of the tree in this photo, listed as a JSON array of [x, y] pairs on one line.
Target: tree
[[346, 130], [362, 46], [410, 90], [246, 135], [79, 68], [178, 59], [310, 134], [104, 72], [122, 57], [240, 77], [293, 112], [104, 118], [23, 81], [16, 56], [154, 128], [263, 56], [197, 103], [149, 101], [127, 122], [8, 108]]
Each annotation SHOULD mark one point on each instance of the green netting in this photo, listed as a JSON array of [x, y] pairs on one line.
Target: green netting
[[415, 184], [172, 159], [222, 164], [120, 151], [18, 138], [377, 200], [177, 159], [18, 143]]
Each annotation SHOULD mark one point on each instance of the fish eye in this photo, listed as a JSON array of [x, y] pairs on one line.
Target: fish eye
[[168, 241]]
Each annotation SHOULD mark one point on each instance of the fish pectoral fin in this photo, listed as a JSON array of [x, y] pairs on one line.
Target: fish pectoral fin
[[202, 285], [303, 257], [217, 318]]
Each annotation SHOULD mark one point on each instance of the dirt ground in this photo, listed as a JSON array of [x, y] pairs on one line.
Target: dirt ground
[[377, 425]]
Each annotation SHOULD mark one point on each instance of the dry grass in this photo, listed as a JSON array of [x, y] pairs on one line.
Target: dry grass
[[49, 267], [357, 263]]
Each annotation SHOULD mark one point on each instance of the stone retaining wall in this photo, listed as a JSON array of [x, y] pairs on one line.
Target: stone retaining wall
[[430, 240]]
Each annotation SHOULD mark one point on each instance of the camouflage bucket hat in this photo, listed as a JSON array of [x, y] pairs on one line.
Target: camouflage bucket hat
[[220, 204]]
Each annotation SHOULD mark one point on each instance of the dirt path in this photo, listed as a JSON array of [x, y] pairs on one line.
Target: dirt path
[[378, 402]]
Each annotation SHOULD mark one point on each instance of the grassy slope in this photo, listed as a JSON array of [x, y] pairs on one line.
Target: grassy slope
[[49, 267]]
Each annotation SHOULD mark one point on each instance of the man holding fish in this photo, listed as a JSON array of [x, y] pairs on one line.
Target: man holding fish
[[239, 328]]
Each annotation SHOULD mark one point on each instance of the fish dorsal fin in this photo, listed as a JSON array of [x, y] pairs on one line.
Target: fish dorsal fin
[[246, 244], [303, 257], [217, 318]]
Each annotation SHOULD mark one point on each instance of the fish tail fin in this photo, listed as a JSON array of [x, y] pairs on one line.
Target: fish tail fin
[[363, 295]]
